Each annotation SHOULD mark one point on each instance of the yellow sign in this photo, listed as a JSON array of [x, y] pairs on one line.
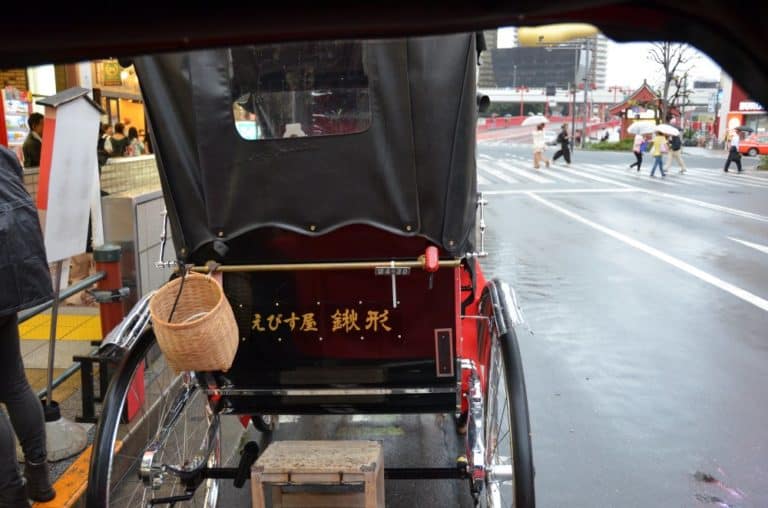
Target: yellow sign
[[342, 320]]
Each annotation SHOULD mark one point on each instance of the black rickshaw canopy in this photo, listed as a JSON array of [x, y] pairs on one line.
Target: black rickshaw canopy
[[372, 132]]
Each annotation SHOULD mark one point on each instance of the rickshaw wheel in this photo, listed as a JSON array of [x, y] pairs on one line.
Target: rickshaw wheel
[[171, 436], [509, 478]]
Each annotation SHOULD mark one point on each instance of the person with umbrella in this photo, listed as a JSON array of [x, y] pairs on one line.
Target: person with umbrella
[[640, 130], [539, 141], [564, 141]]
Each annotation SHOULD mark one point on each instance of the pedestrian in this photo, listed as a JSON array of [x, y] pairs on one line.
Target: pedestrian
[[676, 152], [116, 144], [564, 141], [136, 147], [24, 282], [33, 144], [538, 147], [733, 152], [638, 147], [657, 150]]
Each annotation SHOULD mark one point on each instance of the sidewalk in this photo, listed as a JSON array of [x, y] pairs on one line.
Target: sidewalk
[[77, 327]]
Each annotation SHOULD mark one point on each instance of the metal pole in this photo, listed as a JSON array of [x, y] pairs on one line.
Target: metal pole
[[573, 101], [52, 343], [588, 66]]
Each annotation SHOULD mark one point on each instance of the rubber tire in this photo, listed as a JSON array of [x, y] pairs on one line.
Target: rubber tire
[[97, 494], [752, 152], [522, 449]]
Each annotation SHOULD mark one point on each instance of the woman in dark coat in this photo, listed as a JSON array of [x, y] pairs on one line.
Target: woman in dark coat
[[24, 282]]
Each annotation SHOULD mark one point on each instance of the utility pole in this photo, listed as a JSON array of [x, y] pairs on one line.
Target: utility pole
[[588, 67]]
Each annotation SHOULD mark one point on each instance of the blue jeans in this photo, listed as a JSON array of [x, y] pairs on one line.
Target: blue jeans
[[657, 162]]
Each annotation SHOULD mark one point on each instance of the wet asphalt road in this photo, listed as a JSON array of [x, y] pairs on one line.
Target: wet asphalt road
[[648, 359], [647, 356]]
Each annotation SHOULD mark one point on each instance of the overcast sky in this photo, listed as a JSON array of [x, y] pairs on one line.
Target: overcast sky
[[628, 63]]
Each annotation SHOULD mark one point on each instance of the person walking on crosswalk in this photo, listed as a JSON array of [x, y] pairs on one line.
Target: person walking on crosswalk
[[676, 153], [564, 141], [658, 149], [538, 147], [733, 152], [637, 148]]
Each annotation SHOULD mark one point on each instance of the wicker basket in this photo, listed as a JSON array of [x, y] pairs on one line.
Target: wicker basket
[[203, 333]]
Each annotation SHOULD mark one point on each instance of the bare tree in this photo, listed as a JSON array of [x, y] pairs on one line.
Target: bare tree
[[675, 60]]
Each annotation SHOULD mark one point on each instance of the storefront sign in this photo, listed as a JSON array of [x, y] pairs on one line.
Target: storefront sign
[[111, 73], [749, 106]]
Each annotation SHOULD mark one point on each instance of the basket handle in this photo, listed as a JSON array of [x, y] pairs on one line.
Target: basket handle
[[214, 273]]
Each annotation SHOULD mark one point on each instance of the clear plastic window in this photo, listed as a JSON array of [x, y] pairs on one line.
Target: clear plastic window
[[300, 89]]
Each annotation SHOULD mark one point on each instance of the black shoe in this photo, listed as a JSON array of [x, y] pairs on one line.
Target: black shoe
[[15, 497], [39, 486]]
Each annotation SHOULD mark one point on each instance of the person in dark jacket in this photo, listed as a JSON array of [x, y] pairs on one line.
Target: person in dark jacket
[[24, 282], [565, 145], [33, 145]]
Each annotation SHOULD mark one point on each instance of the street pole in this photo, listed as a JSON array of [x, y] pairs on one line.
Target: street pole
[[573, 100], [586, 86], [573, 115]]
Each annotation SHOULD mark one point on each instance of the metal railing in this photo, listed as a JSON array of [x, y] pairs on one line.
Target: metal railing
[[34, 311]]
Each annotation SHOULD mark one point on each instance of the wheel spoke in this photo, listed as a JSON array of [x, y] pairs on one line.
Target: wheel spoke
[[176, 423]]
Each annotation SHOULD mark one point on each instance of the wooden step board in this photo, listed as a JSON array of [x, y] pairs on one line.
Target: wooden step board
[[311, 463]]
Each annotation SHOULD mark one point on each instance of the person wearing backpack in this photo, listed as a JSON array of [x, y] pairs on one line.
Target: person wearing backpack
[[676, 153]]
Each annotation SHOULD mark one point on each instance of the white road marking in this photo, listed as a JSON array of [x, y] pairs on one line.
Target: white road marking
[[495, 172], [634, 178], [736, 291], [554, 172], [524, 173], [696, 202], [756, 246], [559, 191], [481, 180], [601, 179]]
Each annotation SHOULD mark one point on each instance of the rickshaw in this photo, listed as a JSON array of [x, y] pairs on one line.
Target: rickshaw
[[333, 185]]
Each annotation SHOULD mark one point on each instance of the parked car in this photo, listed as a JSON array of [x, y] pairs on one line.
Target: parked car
[[754, 145]]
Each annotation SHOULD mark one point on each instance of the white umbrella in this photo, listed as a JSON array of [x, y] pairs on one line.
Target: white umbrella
[[641, 128], [535, 120], [668, 129]]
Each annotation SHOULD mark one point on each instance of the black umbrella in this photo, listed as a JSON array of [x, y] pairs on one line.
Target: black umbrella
[[744, 128]]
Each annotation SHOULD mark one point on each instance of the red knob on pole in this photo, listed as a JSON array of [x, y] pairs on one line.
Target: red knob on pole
[[431, 259]]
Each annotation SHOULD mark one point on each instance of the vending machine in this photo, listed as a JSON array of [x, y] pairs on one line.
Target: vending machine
[[15, 107]]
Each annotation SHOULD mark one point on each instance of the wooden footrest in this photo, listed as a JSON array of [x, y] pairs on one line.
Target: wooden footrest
[[341, 463]]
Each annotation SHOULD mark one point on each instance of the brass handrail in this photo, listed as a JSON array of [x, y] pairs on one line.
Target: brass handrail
[[349, 265]]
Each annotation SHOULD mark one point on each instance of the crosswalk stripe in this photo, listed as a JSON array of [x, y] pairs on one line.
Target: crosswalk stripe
[[754, 179], [555, 173], [688, 178], [595, 178], [708, 179], [524, 173], [485, 166], [481, 180], [635, 178], [552, 172]]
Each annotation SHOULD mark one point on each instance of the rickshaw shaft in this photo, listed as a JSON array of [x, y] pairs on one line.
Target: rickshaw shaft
[[425, 473], [352, 265]]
